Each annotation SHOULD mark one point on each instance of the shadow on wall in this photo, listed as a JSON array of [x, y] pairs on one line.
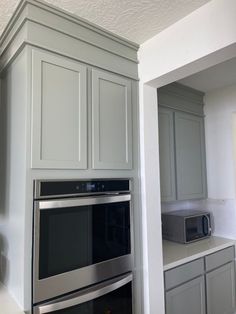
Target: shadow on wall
[[234, 147], [3, 155], [4, 262]]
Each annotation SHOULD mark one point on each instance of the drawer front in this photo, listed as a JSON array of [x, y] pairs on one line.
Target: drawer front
[[181, 274], [219, 258]]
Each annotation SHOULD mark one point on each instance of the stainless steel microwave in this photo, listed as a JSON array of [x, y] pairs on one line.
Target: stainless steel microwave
[[185, 226]]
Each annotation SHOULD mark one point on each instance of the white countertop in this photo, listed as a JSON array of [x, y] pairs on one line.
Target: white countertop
[[175, 254], [7, 303]]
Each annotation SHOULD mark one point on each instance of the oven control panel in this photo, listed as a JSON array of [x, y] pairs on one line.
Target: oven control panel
[[57, 188]]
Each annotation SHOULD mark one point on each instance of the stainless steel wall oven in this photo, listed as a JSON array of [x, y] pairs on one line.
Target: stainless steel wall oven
[[82, 237]]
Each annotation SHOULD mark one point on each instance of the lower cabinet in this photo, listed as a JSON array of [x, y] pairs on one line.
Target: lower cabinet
[[187, 298], [195, 289], [220, 285]]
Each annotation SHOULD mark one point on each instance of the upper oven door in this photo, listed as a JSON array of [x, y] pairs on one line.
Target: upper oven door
[[79, 242]]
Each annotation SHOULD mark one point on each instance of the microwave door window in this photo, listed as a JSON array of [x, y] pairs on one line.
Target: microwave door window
[[72, 238], [194, 228]]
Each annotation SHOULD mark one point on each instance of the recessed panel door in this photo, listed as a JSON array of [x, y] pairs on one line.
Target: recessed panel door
[[167, 154], [190, 156], [59, 117], [188, 298], [111, 121], [221, 290]]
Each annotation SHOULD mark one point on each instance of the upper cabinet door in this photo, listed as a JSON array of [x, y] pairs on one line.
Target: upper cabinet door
[[190, 156], [167, 154], [59, 127], [111, 121]]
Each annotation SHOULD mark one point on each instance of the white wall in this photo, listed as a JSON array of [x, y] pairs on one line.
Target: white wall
[[202, 39], [12, 179], [219, 107], [151, 216]]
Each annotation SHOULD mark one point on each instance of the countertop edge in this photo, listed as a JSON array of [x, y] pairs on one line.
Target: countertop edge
[[198, 255]]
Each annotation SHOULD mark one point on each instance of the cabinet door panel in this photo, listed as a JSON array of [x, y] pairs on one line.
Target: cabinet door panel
[[221, 290], [59, 126], [187, 298], [190, 156], [111, 121], [167, 154]]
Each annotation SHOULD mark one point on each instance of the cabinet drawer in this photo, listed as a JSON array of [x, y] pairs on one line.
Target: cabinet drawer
[[219, 258], [181, 274]]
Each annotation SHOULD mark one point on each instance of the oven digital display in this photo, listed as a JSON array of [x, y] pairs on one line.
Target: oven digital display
[[90, 186]]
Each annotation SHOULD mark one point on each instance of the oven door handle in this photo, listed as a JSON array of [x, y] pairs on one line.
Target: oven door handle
[[83, 201], [85, 296]]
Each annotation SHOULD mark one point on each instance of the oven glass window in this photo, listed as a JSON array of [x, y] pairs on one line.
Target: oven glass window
[[116, 302], [71, 238]]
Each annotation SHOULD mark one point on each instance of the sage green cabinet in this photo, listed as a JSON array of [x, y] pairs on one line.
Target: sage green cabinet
[[220, 285], [187, 298], [181, 143], [111, 121], [167, 154], [60, 139], [190, 156], [202, 286], [182, 156], [59, 112]]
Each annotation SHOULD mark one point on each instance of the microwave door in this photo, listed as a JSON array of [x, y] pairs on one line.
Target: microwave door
[[197, 227], [194, 228]]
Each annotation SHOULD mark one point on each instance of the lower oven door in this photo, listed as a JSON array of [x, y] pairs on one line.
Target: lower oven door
[[80, 242], [111, 297]]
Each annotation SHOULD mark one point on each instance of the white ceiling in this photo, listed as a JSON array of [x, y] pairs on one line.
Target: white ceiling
[[136, 20], [220, 75]]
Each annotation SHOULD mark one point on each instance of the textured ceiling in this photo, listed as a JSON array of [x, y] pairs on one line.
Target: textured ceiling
[[136, 20]]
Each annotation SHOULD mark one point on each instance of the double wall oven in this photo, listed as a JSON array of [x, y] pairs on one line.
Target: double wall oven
[[82, 253]]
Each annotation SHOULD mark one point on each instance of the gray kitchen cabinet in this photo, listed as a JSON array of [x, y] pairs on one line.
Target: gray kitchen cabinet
[[187, 298], [46, 61], [167, 154], [181, 144], [111, 121], [220, 285], [59, 112], [59, 115], [205, 285], [190, 156]]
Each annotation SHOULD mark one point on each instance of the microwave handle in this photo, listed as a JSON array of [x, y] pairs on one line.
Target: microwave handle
[[208, 225], [85, 296]]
